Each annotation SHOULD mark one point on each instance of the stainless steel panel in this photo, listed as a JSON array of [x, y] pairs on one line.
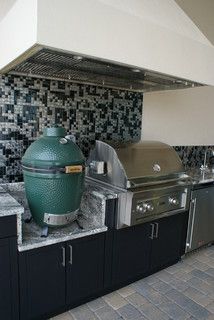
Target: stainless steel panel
[[148, 159], [49, 63], [155, 204], [124, 214], [60, 219], [98, 167], [115, 174], [134, 164], [201, 220], [150, 176]]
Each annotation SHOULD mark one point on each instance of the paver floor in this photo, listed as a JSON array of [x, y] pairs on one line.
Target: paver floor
[[182, 291]]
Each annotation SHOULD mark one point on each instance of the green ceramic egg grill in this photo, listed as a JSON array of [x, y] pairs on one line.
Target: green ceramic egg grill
[[53, 169]]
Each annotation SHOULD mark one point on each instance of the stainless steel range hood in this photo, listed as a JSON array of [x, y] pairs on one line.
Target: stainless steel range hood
[[137, 45], [49, 63]]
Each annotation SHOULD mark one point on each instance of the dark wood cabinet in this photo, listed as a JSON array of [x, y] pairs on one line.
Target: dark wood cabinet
[[42, 281], [8, 227], [8, 280], [5, 294], [9, 308], [57, 276], [167, 241], [143, 249], [85, 268], [131, 251]]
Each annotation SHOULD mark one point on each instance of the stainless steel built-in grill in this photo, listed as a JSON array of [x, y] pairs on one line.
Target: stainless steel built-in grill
[[149, 176]]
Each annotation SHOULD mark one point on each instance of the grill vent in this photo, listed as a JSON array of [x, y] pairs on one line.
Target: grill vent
[[49, 63]]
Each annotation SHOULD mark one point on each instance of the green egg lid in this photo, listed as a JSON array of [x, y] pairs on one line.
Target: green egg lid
[[54, 131]]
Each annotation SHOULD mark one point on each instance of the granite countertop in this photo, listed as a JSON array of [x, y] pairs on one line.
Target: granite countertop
[[199, 177], [8, 205], [91, 218]]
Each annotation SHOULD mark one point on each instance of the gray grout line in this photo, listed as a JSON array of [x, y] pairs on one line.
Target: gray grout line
[[129, 303]]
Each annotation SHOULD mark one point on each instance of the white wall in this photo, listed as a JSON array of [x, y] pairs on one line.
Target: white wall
[[184, 117], [164, 13], [18, 26], [150, 34], [5, 7]]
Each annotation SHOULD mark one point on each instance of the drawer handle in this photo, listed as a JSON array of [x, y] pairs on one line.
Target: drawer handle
[[63, 257], [193, 221], [153, 229], [157, 229], [71, 254]]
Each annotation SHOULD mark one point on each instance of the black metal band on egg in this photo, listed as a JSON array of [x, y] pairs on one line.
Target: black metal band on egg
[[54, 170]]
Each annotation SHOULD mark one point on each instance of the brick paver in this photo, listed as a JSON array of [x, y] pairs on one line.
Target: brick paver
[[182, 291]]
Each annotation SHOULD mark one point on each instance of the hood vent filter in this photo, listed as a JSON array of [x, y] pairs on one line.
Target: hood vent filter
[[49, 63]]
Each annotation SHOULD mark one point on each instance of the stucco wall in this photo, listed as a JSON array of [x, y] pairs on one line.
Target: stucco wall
[[184, 117]]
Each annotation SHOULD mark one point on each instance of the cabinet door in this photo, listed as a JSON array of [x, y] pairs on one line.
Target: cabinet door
[[85, 266], [42, 281], [201, 218], [8, 280], [168, 238], [131, 252]]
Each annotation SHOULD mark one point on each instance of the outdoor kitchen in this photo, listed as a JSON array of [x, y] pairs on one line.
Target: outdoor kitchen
[[106, 161]]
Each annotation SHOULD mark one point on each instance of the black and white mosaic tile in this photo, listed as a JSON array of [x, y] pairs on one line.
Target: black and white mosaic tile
[[193, 156], [28, 104]]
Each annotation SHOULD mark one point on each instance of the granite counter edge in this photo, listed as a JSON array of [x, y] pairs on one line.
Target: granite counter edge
[[29, 246]]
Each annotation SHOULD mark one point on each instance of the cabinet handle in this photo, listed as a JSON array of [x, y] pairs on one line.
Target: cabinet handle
[[71, 254], [153, 229], [157, 229], [193, 221], [63, 256]]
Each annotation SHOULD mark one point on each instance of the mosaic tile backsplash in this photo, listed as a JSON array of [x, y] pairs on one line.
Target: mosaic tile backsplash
[[193, 156], [28, 104]]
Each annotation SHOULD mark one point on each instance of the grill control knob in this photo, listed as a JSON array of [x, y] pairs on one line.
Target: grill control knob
[[140, 208], [173, 201], [144, 207], [148, 207]]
